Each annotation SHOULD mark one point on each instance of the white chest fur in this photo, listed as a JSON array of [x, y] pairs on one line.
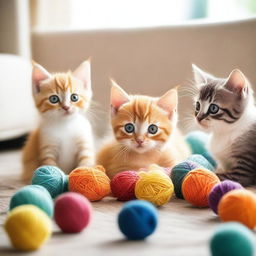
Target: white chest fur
[[220, 149], [221, 141], [63, 134]]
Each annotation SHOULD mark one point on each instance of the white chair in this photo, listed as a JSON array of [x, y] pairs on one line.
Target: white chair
[[17, 111]]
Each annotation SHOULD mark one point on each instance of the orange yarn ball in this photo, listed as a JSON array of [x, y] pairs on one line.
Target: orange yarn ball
[[92, 182], [239, 205], [197, 185]]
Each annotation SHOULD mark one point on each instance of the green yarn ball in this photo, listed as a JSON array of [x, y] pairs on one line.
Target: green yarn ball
[[203, 162], [35, 195], [178, 173], [52, 178], [197, 141], [232, 239]]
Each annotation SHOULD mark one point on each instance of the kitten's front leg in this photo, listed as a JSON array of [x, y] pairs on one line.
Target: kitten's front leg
[[245, 179], [48, 155], [85, 155]]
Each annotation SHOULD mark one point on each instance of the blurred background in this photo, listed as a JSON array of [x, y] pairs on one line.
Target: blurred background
[[147, 46]]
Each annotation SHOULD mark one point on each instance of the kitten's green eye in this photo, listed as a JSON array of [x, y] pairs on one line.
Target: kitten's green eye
[[129, 128], [54, 99], [197, 106], [74, 97], [213, 109], [152, 129]]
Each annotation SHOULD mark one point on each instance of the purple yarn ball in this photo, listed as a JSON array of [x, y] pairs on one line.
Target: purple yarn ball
[[219, 190]]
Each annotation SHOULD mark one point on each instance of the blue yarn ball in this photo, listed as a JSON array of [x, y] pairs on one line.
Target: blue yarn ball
[[137, 219], [202, 161], [197, 141], [35, 195], [232, 239], [52, 178]]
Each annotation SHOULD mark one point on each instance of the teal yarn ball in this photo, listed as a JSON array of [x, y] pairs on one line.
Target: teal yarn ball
[[52, 178], [202, 161], [35, 195], [197, 141], [178, 173], [209, 157], [232, 239]]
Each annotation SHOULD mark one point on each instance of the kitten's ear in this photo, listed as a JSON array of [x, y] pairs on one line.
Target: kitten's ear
[[236, 81], [169, 101], [201, 77], [83, 73], [38, 75], [118, 97]]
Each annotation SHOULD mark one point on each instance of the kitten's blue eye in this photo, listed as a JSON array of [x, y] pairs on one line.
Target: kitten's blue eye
[[152, 129], [129, 128], [74, 97], [198, 106], [213, 109], [54, 99]]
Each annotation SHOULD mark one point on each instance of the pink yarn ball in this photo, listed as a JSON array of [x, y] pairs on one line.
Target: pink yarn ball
[[123, 185], [72, 212]]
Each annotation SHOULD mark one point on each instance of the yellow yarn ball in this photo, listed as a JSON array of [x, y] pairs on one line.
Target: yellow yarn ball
[[28, 227], [154, 186]]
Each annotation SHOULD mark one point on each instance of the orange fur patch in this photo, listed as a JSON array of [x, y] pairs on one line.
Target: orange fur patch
[[115, 157], [60, 83]]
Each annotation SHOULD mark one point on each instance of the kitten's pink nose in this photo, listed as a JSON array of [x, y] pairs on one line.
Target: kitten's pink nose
[[139, 141], [65, 108]]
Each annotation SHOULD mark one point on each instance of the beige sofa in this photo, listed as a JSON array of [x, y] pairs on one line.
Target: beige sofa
[[150, 61]]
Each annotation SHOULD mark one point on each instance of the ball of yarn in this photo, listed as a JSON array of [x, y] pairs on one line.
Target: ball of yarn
[[50, 177], [137, 219], [239, 205], [203, 162], [66, 181], [28, 227], [154, 186], [210, 158], [72, 212], [197, 141], [197, 185], [33, 194], [178, 173], [219, 190], [232, 239], [92, 182], [123, 185]]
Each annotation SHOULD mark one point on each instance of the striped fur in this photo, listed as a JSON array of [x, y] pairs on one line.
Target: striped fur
[[64, 135], [233, 127], [139, 149]]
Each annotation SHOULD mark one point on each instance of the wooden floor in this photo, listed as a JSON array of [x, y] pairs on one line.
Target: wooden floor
[[182, 230]]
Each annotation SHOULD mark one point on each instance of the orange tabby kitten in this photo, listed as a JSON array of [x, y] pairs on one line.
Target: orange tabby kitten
[[64, 135], [145, 133]]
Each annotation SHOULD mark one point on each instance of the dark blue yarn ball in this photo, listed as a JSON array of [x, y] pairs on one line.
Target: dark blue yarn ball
[[138, 219]]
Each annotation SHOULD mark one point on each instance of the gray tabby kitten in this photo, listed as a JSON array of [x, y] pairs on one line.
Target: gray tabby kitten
[[226, 109]]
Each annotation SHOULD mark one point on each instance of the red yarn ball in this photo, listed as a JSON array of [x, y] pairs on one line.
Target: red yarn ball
[[72, 212], [123, 185]]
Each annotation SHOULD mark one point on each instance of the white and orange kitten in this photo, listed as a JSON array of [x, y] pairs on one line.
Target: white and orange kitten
[[64, 135], [145, 132]]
